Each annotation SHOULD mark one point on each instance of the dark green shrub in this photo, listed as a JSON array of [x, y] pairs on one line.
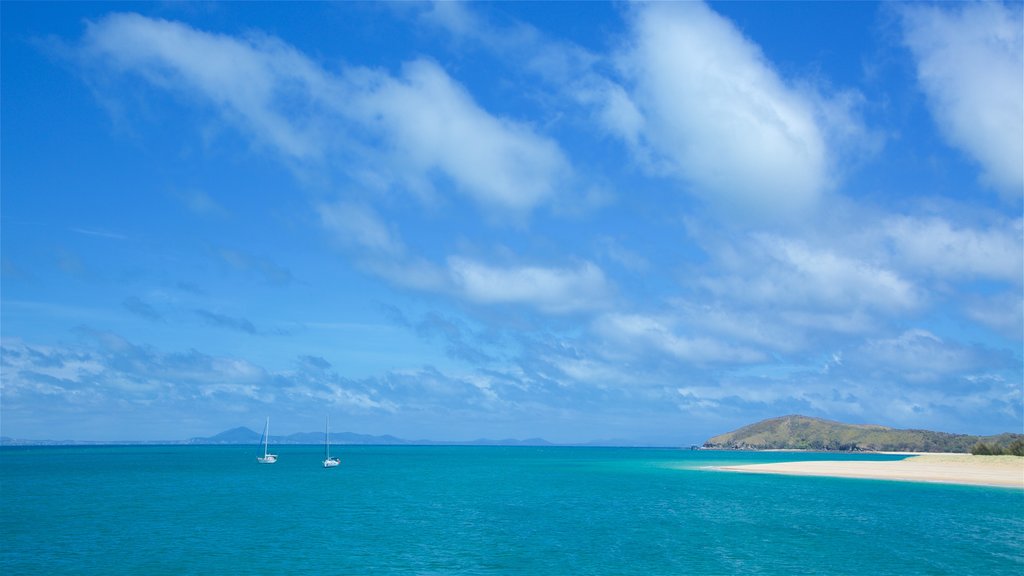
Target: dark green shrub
[[981, 449], [1016, 448]]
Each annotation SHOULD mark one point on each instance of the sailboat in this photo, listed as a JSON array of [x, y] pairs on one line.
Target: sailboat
[[267, 458], [328, 461]]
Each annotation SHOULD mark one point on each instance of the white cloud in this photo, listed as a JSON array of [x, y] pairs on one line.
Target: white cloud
[[435, 125], [716, 113], [756, 327], [1001, 312], [970, 64], [642, 333], [553, 290], [117, 372], [590, 371], [454, 17], [848, 401], [358, 224], [829, 277], [55, 364], [417, 127], [619, 114], [248, 80], [555, 61], [625, 257], [783, 271], [919, 356], [744, 392], [939, 247], [415, 273], [694, 99], [840, 322]]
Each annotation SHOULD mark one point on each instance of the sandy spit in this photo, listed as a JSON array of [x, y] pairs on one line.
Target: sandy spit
[[1005, 471]]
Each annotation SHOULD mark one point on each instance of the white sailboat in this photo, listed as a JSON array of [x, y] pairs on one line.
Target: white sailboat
[[328, 461], [267, 458]]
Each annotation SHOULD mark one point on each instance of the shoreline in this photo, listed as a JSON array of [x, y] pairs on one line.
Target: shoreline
[[964, 469], [816, 451]]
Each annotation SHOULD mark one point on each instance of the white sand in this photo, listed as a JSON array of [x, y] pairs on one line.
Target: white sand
[[1005, 471]]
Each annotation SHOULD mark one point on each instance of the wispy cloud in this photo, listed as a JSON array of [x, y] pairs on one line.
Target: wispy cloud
[[643, 334], [109, 374], [248, 80], [554, 290], [1002, 312], [947, 250], [299, 109], [772, 270], [920, 357], [201, 204], [970, 64], [136, 306], [457, 338], [625, 257], [359, 225], [224, 321], [264, 267], [436, 126], [100, 233]]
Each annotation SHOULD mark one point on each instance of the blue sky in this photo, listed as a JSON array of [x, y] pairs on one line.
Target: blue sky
[[653, 222]]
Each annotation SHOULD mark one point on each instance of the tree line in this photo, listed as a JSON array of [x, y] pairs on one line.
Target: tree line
[[1015, 448]]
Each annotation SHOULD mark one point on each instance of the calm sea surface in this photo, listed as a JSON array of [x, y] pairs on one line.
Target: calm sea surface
[[482, 510]]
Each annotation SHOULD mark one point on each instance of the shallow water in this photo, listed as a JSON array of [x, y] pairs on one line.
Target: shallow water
[[483, 510]]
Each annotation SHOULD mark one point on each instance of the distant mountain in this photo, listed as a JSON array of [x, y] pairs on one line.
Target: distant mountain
[[806, 433], [338, 438], [243, 435], [240, 435]]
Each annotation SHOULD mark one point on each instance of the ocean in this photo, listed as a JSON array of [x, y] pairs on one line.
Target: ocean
[[482, 510]]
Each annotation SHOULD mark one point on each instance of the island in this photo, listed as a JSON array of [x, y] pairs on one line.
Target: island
[[805, 433], [932, 456]]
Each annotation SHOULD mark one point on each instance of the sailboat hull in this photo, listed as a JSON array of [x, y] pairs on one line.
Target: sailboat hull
[[329, 462], [267, 457]]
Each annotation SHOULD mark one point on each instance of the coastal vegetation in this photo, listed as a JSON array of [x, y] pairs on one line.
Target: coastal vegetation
[[1015, 448], [806, 433]]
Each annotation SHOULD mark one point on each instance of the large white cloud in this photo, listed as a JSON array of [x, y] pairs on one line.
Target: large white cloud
[[408, 129], [716, 113], [247, 80], [970, 64], [435, 125]]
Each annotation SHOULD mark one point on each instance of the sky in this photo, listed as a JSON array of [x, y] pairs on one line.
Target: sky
[[575, 221]]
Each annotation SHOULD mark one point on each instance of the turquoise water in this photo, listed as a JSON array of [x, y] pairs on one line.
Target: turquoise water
[[482, 510]]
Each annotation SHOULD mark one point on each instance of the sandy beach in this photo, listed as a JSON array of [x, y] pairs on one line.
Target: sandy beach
[[1005, 471]]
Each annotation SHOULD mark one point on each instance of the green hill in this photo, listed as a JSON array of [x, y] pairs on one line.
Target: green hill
[[805, 433]]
